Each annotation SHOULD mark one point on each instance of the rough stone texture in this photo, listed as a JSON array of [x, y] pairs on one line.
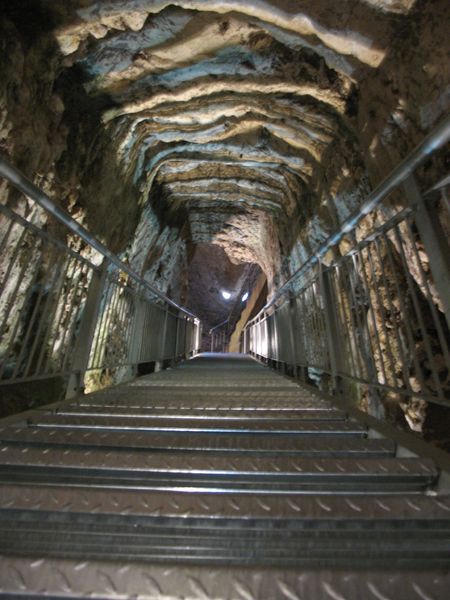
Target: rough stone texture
[[257, 127]]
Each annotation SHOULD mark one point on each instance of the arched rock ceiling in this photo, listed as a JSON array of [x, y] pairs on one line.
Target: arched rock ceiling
[[223, 111]]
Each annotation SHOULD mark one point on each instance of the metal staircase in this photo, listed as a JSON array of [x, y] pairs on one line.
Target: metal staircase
[[217, 479]]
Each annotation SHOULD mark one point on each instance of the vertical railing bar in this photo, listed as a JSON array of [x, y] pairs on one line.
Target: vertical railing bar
[[404, 312], [381, 308], [301, 332], [305, 325], [129, 308], [116, 324], [22, 312], [55, 276], [185, 326], [317, 326], [134, 297], [392, 311], [17, 249], [331, 331], [361, 315], [144, 347], [311, 311], [345, 302], [134, 328], [342, 322], [164, 331], [24, 308], [315, 323], [372, 315], [9, 304], [45, 324], [115, 297], [101, 329], [157, 325], [434, 239], [5, 238], [355, 317], [60, 311], [114, 317], [70, 298], [176, 336], [322, 326], [31, 323], [431, 303], [140, 309], [418, 311], [84, 336], [149, 311]]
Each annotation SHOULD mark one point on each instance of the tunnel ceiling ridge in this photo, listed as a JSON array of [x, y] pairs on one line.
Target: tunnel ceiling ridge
[[228, 108], [247, 125]]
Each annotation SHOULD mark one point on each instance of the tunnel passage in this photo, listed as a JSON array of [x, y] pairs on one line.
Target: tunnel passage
[[274, 172], [250, 128]]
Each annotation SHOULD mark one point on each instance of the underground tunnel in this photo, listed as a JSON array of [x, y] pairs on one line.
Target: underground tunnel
[[216, 145], [263, 178]]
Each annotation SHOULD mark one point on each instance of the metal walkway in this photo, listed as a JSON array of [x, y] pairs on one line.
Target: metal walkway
[[217, 479]]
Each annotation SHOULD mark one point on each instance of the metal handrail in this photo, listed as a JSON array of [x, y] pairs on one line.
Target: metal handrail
[[219, 325], [434, 140], [27, 187], [373, 323]]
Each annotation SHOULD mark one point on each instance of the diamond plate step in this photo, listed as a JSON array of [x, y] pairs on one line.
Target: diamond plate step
[[386, 508], [33, 577], [286, 543], [280, 426], [267, 486], [213, 415], [203, 402], [267, 444], [212, 473]]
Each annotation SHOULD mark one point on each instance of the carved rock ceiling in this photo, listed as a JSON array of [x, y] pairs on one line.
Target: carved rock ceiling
[[223, 113]]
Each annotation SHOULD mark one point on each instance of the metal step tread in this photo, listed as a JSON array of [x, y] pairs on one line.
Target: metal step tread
[[193, 463], [202, 414], [200, 543], [329, 508], [216, 385], [39, 576], [225, 402], [234, 468], [118, 423], [339, 445]]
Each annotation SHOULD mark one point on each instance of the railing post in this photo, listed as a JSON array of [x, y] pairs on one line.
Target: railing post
[[137, 333], [186, 337], [268, 336], [164, 333], [434, 240], [295, 341], [198, 336], [177, 335], [332, 328], [83, 343]]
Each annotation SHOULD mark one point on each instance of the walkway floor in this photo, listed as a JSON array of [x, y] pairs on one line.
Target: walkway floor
[[217, 479]]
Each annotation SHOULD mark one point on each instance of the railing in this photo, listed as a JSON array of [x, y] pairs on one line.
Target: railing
[[372, 322], [71, 309], [220, 337]]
